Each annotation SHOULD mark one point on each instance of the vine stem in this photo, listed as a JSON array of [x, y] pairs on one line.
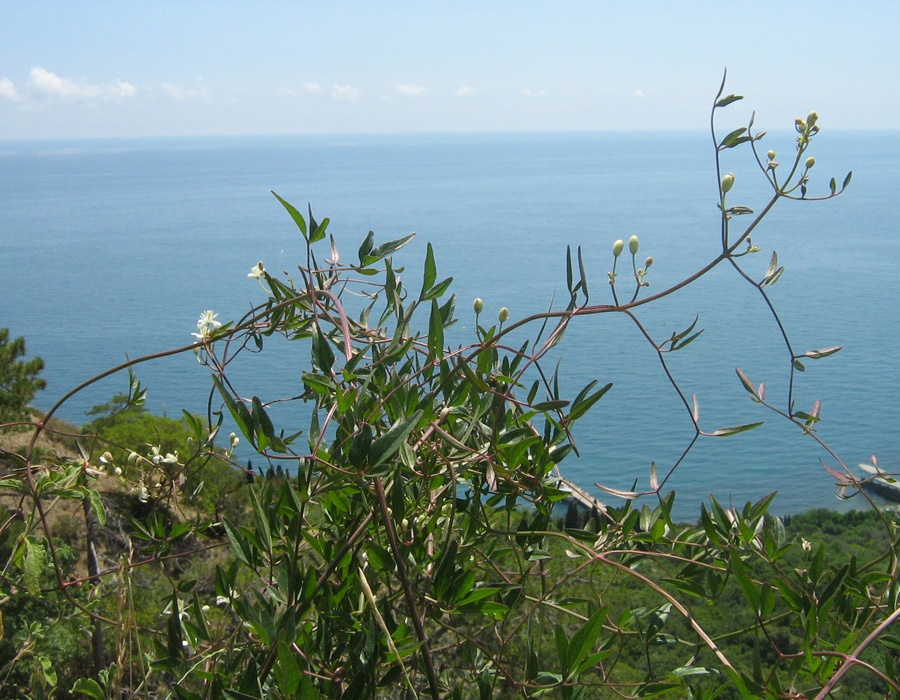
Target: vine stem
[[407, 591], [853, 659]]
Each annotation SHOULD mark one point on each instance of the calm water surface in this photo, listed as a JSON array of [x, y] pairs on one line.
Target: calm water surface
[[112, 248]]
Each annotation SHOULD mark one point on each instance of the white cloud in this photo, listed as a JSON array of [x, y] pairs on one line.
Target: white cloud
[[464, 91], [638, 93], [125, 89], [43, 81], [287, 92], [345, 92], [178, 92], [532, 93], [8, 90], [410, 90], [313, 87]]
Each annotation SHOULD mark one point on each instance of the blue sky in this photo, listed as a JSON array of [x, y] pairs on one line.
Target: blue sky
[[191, 68]]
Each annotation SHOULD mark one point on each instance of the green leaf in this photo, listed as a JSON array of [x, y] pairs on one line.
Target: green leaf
[[264, 428], [237, 409], [771, 279], [322, 354], [748, 385], [287, 671], [183, 694], [319, 383], [386, 249], [430, 275], [735, 429], [89, 686], [438, 290], [732, 139], [316, 230], [583, 282], [96, 505], [847, 180], [173, 632], [366, 247], [35, 562], [435, 333], [725, 101], [550, 405], [295, 215], [751, 592], [387, 445], [582, 642], [824, 352], [583, 404]]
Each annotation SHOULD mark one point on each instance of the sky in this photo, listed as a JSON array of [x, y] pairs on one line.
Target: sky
[[133, 69]]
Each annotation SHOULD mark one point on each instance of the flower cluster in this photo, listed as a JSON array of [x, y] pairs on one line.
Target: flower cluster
[[206, 325]]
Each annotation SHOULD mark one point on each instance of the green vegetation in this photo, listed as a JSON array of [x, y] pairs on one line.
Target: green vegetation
[[412, 546], [18, 379]]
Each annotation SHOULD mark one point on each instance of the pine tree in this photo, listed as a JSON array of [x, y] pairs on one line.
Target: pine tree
[[18, 378]]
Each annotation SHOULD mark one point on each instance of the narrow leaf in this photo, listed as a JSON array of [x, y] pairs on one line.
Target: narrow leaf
[[725, 101], [366, 247], [97, 506], [35, 561], [430, 275], [748, 385], [435, 333], [387, 445], [295, 215], [386, 249], [732, 138], [735, 429], [824, 352]]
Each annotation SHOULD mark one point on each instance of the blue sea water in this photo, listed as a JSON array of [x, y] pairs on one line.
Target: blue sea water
[[112, 249]]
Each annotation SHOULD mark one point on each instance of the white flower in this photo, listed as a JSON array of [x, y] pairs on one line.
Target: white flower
[[106, 458], [257, 271], [143, 495], [206, 325], [118, 471]]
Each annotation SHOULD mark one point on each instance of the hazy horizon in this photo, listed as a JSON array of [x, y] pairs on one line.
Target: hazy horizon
[[280, 68]]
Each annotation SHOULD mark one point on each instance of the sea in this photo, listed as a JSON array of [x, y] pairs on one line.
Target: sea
[[111, 249]]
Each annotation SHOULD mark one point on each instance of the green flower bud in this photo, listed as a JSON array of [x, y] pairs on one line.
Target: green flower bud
[[503, 315], [633, 245], [800, 125], [618, 246], [647, 263], [812, 118], [771, 155], [810, 162], [727, 182], [478, 305]]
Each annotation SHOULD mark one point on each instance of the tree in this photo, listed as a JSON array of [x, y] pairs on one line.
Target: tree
[[18, 379]]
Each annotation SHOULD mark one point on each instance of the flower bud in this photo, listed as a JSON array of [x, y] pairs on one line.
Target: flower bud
[[633, 245], [771, 155], [811, 119], [810, 162], [727, 182], [617, 247], [800, 125], [647, 263], [503, 315], [478, 305]]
